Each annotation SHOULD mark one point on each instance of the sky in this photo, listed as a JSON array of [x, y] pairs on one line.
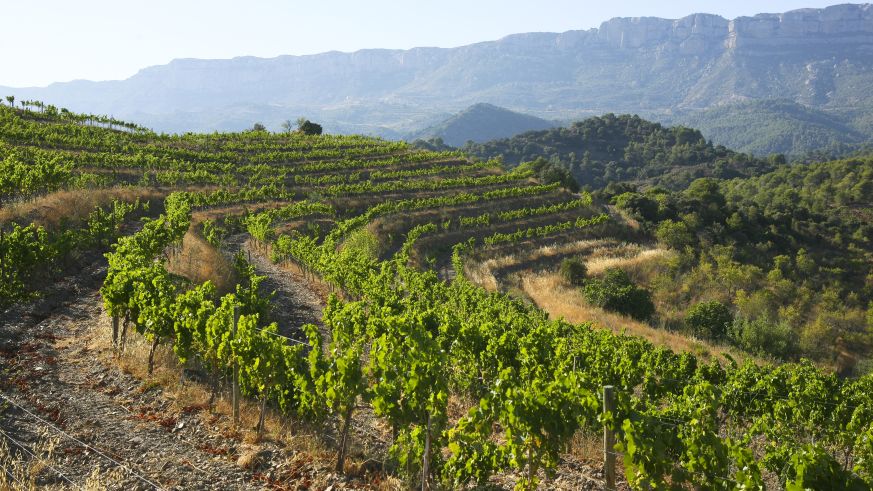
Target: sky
[[45, 41]]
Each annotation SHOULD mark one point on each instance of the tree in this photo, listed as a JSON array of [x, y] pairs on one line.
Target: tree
[[704, 196], [307, 127], [616, 292], [259, 127], [11, 100], [287, 126], [709, 319], [640, 205], [675, 235], [573, 271]]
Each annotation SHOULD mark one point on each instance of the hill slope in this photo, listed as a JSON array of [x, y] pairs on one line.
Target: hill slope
[[625, 148], [817, 57], [774, 126], [480, 123]]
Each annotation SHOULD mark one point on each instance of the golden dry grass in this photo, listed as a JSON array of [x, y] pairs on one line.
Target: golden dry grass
[[484, 273], [631, 260], [199, 261], [549, 292], [219, 212], [73, 205]]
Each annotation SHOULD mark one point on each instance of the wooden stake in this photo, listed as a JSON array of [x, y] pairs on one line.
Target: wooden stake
[[425, 466], [263, 413], [235, 389], [115, 333], [609, 438], [341, 458]]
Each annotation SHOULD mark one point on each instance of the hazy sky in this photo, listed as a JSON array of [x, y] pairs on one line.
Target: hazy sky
[[44, 41]]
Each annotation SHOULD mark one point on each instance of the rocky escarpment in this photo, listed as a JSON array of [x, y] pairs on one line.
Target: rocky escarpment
[[700, 33], [833, 26]]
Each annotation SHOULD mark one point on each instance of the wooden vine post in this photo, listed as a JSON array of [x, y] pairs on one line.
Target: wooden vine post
[[235, 389], [425, 466], [609, 438], [116, 341]]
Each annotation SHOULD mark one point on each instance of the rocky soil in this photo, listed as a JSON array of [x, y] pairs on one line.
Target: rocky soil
[[59, 379]]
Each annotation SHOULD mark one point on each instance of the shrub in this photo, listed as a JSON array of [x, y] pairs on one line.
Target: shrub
[[639, 205], [616, 292], [763, 337], [574, 271], [674, 234], [709, 319]]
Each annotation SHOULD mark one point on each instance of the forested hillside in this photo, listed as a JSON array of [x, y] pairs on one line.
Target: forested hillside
[[481, 123], [416, 374], [777, 126], [789, 253], [605, 149]]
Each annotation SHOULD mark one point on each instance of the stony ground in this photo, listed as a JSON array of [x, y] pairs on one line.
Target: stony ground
[[60, 380], [294, 302]]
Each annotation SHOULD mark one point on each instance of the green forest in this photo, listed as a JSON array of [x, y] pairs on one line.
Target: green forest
[[607, 149]]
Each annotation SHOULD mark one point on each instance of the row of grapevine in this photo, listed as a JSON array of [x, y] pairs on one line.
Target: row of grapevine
[[394, 186], [545, 230], [486, 219], [29, 254], [397, 206]]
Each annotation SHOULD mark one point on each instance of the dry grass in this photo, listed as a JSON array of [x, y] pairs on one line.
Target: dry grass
[[20, 471], [548, 292], [482, 273], [220, 212], [199, 261], [73, 206], [587, 445], [485, 273], [632, 259]]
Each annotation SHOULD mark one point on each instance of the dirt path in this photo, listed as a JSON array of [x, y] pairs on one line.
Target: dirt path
[[294, 302], [54, 371]]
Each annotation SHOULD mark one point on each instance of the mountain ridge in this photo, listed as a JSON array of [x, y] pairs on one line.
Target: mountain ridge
[[645, 65]]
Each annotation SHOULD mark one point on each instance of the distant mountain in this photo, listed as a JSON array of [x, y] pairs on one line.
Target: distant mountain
[[480, 123], [600, 150], [818, 58], [774, 126]]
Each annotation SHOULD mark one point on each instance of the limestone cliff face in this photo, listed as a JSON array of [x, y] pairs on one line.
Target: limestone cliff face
[[694, 34], [697, 34], [840, 24]]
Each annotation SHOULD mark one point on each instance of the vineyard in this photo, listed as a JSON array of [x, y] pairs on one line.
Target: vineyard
[[468, 387]]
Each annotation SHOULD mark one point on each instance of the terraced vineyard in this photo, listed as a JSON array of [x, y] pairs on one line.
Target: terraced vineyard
[[411, 364]]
